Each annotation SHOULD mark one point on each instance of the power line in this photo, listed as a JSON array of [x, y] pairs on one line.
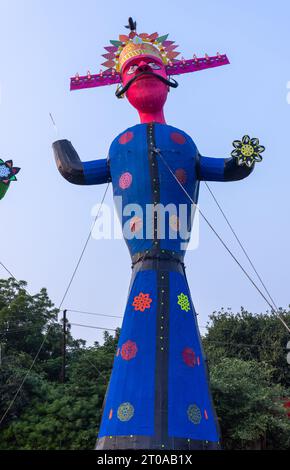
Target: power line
[[14, 316], [16, 330], [93, 313], [158, 152], [94, 327], [60, 305], [227, 343]]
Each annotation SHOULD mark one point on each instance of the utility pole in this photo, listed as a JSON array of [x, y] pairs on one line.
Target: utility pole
[[63, 347]]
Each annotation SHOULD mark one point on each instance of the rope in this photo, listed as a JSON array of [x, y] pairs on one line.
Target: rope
[[240, 244], [158, 152], [13, 277], [84, 249]]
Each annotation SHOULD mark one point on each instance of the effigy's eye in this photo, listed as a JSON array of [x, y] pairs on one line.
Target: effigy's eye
[[132, 69], [154, 66]]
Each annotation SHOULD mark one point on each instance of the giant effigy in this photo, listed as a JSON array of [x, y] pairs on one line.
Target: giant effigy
[[158, 396]]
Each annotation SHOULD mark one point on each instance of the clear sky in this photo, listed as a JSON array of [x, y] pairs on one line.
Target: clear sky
[[45, 220]]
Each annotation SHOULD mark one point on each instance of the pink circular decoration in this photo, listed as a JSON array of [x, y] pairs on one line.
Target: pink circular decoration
[[178, 138], [125, 180], [188, 356], [129, 350], [181, 175], [126, 137]]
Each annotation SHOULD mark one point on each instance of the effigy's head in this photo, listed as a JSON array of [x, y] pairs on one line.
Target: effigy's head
[[142, 65], [144, 76]]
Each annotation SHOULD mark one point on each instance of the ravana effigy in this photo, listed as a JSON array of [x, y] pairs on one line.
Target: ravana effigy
[[158, 396]]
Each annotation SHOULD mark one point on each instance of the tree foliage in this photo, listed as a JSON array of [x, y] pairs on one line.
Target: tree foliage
[[246, 355], [250, 378]]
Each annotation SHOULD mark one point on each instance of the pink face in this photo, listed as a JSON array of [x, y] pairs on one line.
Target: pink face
[[147, 94]]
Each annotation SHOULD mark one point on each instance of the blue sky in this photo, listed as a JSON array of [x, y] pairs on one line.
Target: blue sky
[[45, 220]]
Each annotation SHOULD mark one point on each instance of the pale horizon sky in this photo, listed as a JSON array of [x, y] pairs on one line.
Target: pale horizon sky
[[45, 220]]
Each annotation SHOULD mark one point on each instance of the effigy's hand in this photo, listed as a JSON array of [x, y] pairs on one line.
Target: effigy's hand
[[247, 151]]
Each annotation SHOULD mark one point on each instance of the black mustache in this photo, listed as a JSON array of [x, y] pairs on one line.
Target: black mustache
[[120, 91]]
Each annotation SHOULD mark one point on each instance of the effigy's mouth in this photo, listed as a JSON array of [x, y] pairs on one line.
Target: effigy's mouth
[[142, 75], [147, 76]]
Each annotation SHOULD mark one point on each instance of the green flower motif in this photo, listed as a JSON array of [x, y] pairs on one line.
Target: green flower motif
[[247, 151], [125, 411], [194, 414], [183, 302]]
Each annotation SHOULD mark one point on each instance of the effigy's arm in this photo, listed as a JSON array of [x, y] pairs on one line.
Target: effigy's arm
[[74, 170], [221, 169], [241, 163]]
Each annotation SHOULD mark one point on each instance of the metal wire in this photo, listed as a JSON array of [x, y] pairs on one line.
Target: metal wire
[[240, 244], [158, 152]]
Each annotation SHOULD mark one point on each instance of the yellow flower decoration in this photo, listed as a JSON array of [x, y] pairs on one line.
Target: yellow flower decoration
[[247, 151]]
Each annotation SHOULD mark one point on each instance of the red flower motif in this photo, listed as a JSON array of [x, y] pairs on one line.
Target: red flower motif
[[181, 175], [188, 356], [129, 350], [141, 302]]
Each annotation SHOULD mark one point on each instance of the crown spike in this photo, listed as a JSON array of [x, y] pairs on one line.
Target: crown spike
[[111, 48]]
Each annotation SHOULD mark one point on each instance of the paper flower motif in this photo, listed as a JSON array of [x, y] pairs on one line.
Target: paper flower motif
[[141, 302], [188, 356], [183, 302], [7, 171], [247, 151], [194, 414], [129, 350], [125, 411], [125, 180], [7, 174]]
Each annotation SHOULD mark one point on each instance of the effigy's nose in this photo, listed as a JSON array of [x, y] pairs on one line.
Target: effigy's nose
[[143, 66]]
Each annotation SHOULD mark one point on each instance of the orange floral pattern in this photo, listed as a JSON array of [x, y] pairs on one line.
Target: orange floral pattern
[[141, 302]]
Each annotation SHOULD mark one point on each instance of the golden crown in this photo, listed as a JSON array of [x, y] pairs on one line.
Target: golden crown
[[134, 44]]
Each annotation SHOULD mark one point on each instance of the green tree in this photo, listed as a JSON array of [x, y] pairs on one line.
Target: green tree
[[66, 416], [249, 406], [250, 337], [246, 355]]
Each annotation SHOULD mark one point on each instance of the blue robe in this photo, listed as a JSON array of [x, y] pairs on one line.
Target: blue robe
[[158, 396]]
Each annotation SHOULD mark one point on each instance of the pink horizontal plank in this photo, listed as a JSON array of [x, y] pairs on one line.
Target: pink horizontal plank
[[194, 65], [177, 68], [94, 81]]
